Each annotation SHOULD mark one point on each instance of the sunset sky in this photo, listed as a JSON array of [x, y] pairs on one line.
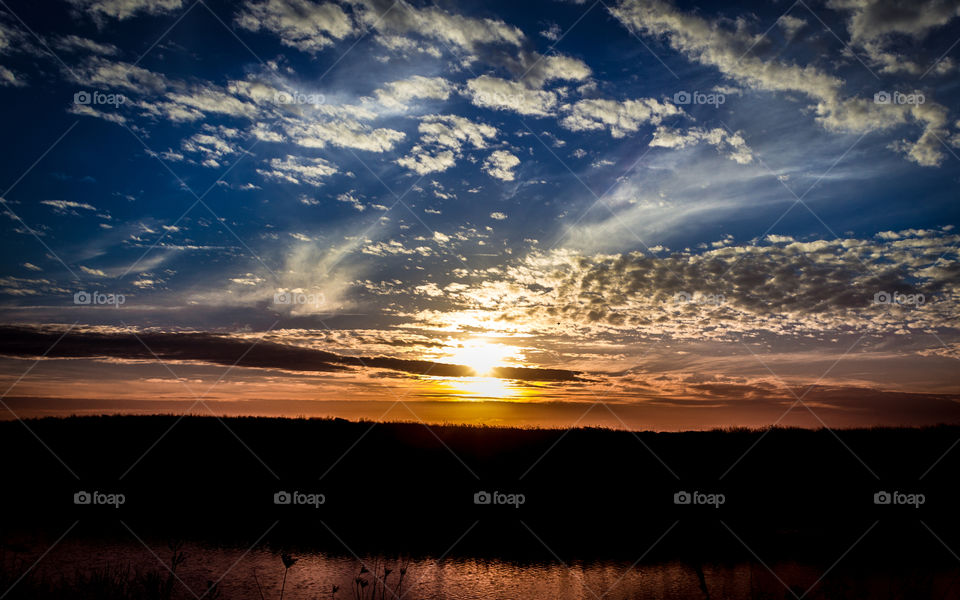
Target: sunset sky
[[630, 213]]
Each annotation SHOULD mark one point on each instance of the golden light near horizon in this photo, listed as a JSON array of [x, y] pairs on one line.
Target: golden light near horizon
[[482, 356], [470, 389]]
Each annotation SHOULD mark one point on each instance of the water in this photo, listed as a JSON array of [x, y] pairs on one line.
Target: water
[[464, 578]]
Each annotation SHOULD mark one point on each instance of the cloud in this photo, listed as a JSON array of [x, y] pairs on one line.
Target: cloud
[[9, 78], [124, 9], [299, 170], [94, 272], [498, 216], [301, 24], [791, 25], [452, 131], [67, 206], [422, 161], [73, 43], [500, 164], [210, 348], [874, 24], [464, 33], [539, 69], [734, 53], [119, 76], [397, 94], [730, 145], [443, 139], [501, 94], [805, 290], [619, 118], [346, 133], [212, 144]]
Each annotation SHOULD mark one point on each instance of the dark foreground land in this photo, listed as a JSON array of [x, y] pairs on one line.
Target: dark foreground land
[[391, 488]]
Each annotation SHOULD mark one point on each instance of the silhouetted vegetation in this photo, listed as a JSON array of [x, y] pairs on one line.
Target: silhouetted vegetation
[[391, 488]]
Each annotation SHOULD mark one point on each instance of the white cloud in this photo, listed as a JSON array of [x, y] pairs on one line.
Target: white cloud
[[74, 42], [873, 25], [94, 272], [422, 161], [88, 111], [7, 77], [452, 131], [397, 94], [299, 170], [301, 24], [352, 200], [498, 216], [733, 146], [124, 9], [443, 138], [500, 164], [501, 94], [108, 75], [67, 205], [727, 49], [469, 34], [346, 133], [620, 118]]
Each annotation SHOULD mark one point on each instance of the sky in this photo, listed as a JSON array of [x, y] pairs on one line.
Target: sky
[[635, 213]]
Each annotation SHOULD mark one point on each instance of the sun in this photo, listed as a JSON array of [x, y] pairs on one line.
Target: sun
[[481, 355]]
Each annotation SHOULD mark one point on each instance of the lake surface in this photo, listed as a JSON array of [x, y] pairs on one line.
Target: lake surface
[[465, 578]]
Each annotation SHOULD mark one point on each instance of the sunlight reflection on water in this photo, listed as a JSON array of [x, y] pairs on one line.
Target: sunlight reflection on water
[[315, 573]]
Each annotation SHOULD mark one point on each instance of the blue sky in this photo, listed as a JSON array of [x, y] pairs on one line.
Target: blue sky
[[684, 203]]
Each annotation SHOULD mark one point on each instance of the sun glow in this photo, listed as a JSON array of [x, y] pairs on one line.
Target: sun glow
[[482, 388], [482, 356]]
